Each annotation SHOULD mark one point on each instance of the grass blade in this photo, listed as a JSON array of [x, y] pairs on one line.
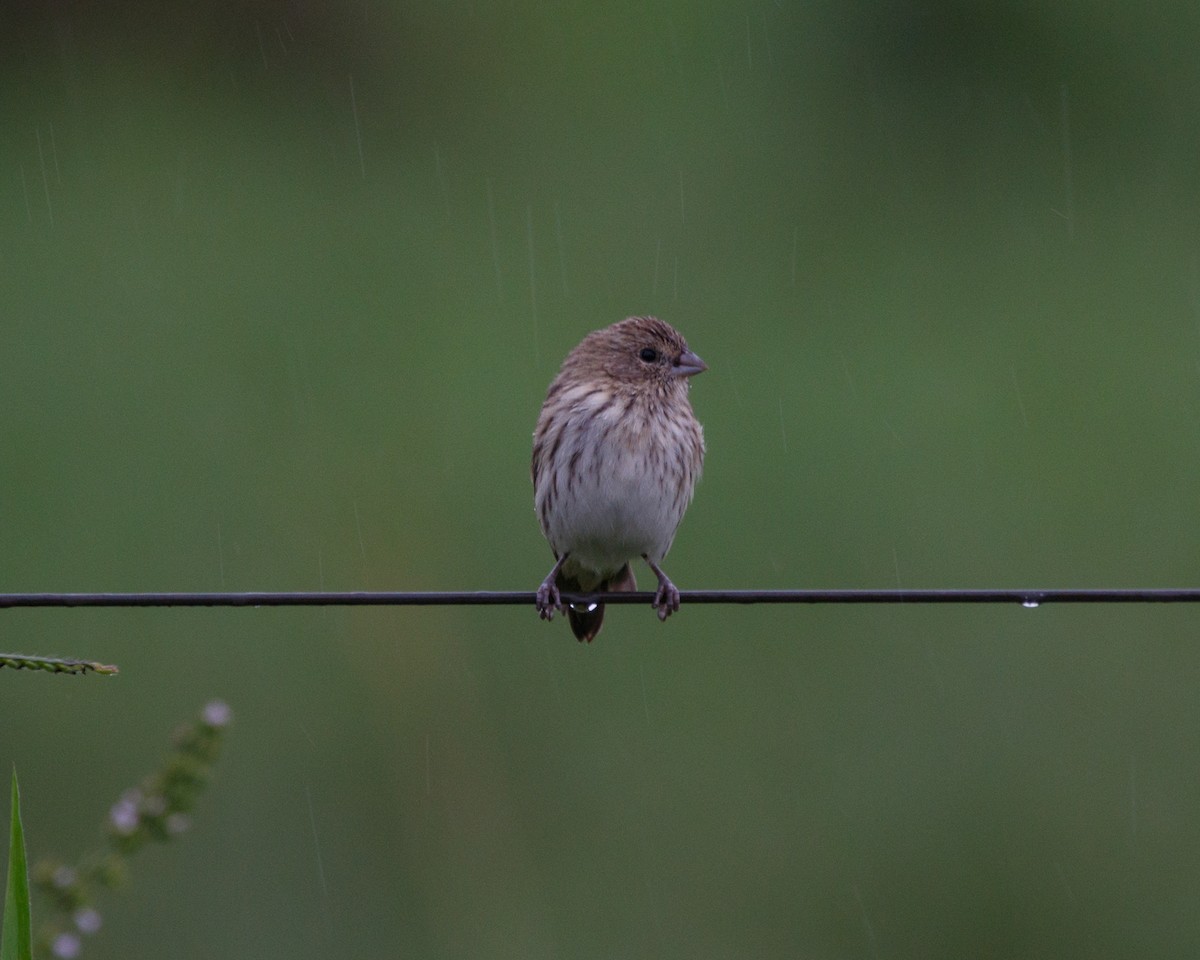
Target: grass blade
[[15, 935]]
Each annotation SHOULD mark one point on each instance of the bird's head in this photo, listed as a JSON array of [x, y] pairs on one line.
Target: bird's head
[[639, 351]]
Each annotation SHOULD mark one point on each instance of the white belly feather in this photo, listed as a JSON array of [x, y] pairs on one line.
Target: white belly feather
[[608, 502]]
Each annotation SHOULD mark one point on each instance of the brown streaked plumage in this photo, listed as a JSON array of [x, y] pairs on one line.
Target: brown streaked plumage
[[616, 455]]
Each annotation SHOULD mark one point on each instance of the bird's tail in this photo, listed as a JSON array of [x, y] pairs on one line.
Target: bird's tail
[[586, 619]]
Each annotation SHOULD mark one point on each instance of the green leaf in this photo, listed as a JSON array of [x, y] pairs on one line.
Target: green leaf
[[15, 937]]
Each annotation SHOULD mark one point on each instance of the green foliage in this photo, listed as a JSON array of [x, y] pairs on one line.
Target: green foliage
[[15, 937]]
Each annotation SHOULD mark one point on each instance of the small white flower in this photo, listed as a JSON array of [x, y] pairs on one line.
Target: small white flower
[[64, 877], [178, 823], [124, 816], [66, 945], [217, 713], [88, 920]]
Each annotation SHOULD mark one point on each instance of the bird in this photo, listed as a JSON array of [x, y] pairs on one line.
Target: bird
[[617, 452]]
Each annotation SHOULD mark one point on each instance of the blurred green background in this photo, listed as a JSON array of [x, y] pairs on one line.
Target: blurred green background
[[283, 287]]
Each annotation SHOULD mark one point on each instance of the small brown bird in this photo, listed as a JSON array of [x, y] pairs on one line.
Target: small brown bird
[[616, 455]]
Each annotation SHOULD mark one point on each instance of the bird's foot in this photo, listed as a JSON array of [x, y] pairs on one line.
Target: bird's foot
[[548, 598], [666, 598]]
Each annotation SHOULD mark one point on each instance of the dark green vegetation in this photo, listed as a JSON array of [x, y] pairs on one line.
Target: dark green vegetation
[[281, 297]]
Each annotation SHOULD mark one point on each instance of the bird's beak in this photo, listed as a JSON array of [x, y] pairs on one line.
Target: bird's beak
[[687, 365]]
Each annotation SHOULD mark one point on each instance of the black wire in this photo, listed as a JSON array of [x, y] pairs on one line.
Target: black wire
[[526, 598]]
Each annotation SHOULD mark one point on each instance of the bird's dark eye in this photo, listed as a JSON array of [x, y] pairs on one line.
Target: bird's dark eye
[[648, 354]]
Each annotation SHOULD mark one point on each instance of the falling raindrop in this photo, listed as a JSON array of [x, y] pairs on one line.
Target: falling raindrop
[[532, 280], [362, 162], [45, 179], [495, 245], [1068, 173], [562, 256]]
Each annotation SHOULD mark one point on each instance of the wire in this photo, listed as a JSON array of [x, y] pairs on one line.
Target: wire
[[1027, 598]]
